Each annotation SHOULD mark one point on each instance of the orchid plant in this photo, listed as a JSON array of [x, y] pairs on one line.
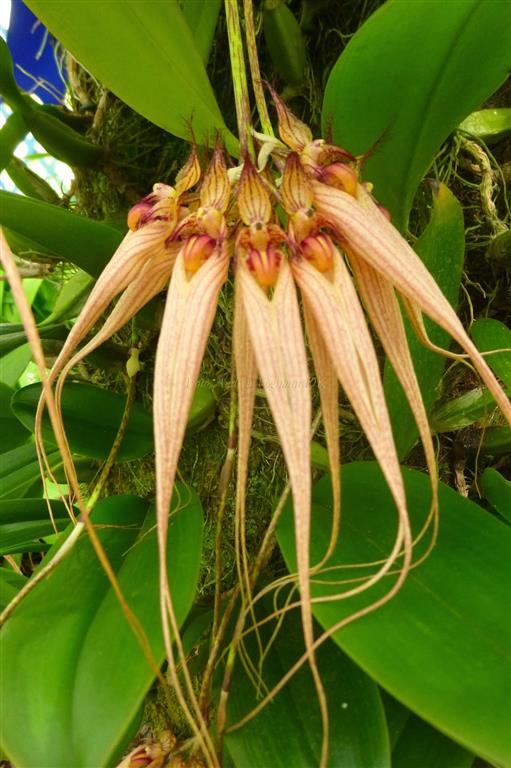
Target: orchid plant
[[319, 272]]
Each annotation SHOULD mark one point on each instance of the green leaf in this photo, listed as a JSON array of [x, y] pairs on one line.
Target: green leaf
[[462, 411], [441, 248], [13, 131], [499, 250], [422, 745], [285, 42], [86, 243], [22, 520], [70, 298], [202, 19], [30, 183], [406, 79], [12, 335], [396, 716], [19, 470], [13, 364], [496, 441], [358, 734], [490, 125], [160, 73], [319, 457], [203, 408], [12, 433], [10, 584], [492, 334], [498, 492], [91, 417], [441, 644], [69, 654], [8, 87], [62, 141]]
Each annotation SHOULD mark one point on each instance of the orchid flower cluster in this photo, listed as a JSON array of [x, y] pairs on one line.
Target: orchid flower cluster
[[303, 236]]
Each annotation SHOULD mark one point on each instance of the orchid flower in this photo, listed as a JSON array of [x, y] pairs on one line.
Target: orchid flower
[[341, 255]]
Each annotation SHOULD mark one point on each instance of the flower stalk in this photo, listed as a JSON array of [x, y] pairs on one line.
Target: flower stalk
[[239, 77]]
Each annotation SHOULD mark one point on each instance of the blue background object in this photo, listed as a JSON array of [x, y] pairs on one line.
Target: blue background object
[[32, 49]]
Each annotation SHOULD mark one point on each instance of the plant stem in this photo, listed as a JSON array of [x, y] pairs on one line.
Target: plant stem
[[239, 77], [255, 72], [107, 467]]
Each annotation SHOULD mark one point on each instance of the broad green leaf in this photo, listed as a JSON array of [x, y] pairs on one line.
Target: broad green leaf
[[12, 335], [492, 334], [21, 244], [475, 405], [441, 248], [86, 243], [10, 584], [71, 657], [421, 745], [13, 364], [13, 131], [91, 417], [62, 141], [203, 408], [406, 79], [12, 433], [22, 520], [19, 470], [396, 716], [490, 125], [70, 297], [494, 441], [441, 644], [358, 734], [285, 43], [202, 19], [8, 87], [499, 250], [30, 183], [498, 492], [319, 457], [160, 73]]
